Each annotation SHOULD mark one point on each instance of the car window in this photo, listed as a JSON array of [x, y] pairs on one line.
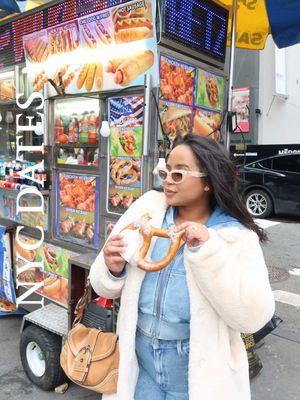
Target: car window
[[267, 163], [287, 163], [254, 165]]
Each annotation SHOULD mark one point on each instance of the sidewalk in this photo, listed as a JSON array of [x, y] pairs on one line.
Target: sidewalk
[[278, 380], [280, 377]]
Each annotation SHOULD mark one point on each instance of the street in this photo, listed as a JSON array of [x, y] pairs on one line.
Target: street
[[279, 378]]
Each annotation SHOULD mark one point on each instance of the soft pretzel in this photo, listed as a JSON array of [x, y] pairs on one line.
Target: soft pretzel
[[123, 173], [148, 232]]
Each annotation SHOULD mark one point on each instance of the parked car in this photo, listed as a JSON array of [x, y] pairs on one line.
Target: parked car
[[271, 185]]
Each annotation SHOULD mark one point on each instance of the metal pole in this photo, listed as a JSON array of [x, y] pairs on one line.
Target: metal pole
[[231, 69], [147, 104]]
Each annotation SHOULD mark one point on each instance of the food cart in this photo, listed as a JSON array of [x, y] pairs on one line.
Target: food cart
[[121, 80]]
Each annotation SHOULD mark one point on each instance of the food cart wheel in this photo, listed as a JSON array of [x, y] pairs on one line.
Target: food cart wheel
[[40, 352]]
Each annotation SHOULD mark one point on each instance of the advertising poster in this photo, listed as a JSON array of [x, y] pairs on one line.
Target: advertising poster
[[176, 81], [191, 100], [33, 219], [176, 119], [118, 46], [124, 183], [126, 124], [109, 226], [125, 171], [210, 90], [241, 105], [7, 89], [207, 123], [77, 208], [7, 290], [7, 205], [55, 273], [121, 198]]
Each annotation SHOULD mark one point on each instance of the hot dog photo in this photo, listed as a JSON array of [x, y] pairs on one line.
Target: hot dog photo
[[7, 90], [207, 123], [126, 69], [55, 287], [106, 50], [133, 21], [55, 268], [210, 90], [96, 30]]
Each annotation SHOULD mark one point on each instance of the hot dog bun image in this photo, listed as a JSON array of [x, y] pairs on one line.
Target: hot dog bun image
[[114, 63], [99, 76], [52, 287], [207, 125], [7, 91], [132, 34], [133, 23], [29, 255], [89, 82], [82, 76], [134, 66]]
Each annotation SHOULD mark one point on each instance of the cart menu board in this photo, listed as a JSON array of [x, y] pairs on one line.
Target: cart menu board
[[125, 147], [77, 213], [111, 49], [55, 269], [191, 100]]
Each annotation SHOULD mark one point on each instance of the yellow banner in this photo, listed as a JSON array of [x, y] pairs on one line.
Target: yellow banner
[[252, 23]]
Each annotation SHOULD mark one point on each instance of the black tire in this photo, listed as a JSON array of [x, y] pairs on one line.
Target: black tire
[[259, 203], [50, 345]]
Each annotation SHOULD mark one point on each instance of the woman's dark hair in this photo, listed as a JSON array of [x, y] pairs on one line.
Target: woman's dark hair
[[214, 160]]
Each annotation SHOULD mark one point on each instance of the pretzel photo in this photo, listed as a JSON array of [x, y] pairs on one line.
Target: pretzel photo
[[148, 232]]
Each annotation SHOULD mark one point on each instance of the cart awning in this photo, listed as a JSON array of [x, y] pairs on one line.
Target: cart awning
[[256, 19]]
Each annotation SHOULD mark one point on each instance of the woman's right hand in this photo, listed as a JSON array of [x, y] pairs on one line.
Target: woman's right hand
[[112, 251]]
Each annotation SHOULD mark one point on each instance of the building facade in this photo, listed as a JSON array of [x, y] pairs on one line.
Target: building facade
[[273, 77]]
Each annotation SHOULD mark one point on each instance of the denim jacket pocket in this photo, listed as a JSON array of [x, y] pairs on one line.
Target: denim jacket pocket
[[183, 347]]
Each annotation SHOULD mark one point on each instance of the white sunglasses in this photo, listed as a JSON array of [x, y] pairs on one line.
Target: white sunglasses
[[178, 175]]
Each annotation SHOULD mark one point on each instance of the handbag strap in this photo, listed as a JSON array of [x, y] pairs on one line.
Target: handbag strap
[[82, 304]]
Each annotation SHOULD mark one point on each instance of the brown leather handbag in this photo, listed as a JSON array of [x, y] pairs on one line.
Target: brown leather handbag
[[90, 357]]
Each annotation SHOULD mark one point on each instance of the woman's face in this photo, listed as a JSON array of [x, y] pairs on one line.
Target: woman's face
[[191, 190]]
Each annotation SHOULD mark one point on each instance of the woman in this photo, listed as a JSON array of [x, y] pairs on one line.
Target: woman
[[179, 329]]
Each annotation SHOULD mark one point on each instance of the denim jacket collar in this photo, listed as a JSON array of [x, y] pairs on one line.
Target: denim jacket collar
[[218, 217]]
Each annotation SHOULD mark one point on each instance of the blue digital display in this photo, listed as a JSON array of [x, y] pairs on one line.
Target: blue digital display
[[199, 24]]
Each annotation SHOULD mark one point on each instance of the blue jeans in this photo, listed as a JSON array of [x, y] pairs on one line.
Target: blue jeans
[[163, 368]]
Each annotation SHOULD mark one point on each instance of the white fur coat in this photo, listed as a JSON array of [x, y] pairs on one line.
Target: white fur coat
[[229, 293]]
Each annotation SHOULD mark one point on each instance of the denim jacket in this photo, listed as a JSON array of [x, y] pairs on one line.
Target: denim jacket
[[164, 304]]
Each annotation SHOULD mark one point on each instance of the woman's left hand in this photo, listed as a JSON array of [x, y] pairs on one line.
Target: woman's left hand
[[195, 234]]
